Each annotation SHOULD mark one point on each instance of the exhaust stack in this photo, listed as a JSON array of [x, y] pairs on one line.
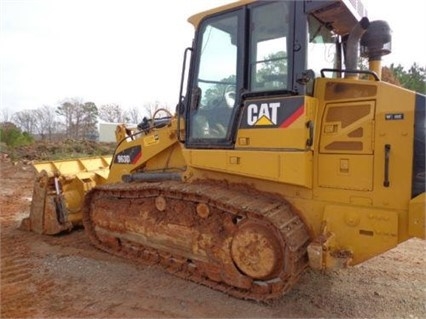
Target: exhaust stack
[[352, 46]]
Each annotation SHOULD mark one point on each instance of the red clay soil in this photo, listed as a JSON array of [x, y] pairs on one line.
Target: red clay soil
[[65, 276]]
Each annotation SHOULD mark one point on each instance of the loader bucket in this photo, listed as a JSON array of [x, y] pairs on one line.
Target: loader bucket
[[59, 191]]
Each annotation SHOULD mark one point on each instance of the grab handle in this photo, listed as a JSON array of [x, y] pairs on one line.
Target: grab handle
[[386, 182]]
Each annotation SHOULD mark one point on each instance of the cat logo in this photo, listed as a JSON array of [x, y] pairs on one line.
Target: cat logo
[[273, 113], [265, 114]]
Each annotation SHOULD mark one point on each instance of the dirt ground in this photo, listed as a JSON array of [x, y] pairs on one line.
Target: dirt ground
[[64, 276]]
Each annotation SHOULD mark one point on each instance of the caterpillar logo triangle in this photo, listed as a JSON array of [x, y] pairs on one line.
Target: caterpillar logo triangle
[[264, 121], [263, 114]]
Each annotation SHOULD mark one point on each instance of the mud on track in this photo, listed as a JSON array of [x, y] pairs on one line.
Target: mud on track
[[64, 276]]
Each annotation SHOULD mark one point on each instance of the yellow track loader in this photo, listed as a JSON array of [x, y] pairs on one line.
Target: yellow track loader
[[282, 155]]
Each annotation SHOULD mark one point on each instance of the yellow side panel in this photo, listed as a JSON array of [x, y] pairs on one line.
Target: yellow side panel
[[346, 171], [236, 162], [297, 168], [254, 164], [274, 138], [399, 135], [288, 167], [365, 130], [365, 231]]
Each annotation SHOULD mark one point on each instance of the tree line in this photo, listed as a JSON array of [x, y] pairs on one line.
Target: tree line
[[75, 119], [413, 79]]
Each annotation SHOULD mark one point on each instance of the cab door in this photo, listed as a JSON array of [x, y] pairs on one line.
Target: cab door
[[217, 78]]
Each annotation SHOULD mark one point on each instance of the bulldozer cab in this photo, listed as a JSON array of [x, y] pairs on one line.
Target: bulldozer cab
[[259, 51]]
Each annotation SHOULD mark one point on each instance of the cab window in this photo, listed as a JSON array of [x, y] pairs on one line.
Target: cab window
[[322, 49], [270, 25]]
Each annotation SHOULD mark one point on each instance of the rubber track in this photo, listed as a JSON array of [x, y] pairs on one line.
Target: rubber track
[[242, 203]]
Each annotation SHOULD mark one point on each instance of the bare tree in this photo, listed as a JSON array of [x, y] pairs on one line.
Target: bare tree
[[113, 113], [26, 120], [156, 109], [135, 115], [46, 122], [80, 118], [5, 115]]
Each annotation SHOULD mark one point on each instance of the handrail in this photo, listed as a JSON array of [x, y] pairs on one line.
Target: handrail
[[374, 74]]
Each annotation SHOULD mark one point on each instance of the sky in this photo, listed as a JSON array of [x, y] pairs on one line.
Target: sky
[[130, 53]]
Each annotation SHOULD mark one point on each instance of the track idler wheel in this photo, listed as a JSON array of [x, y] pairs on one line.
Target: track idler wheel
[[257, 250]]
